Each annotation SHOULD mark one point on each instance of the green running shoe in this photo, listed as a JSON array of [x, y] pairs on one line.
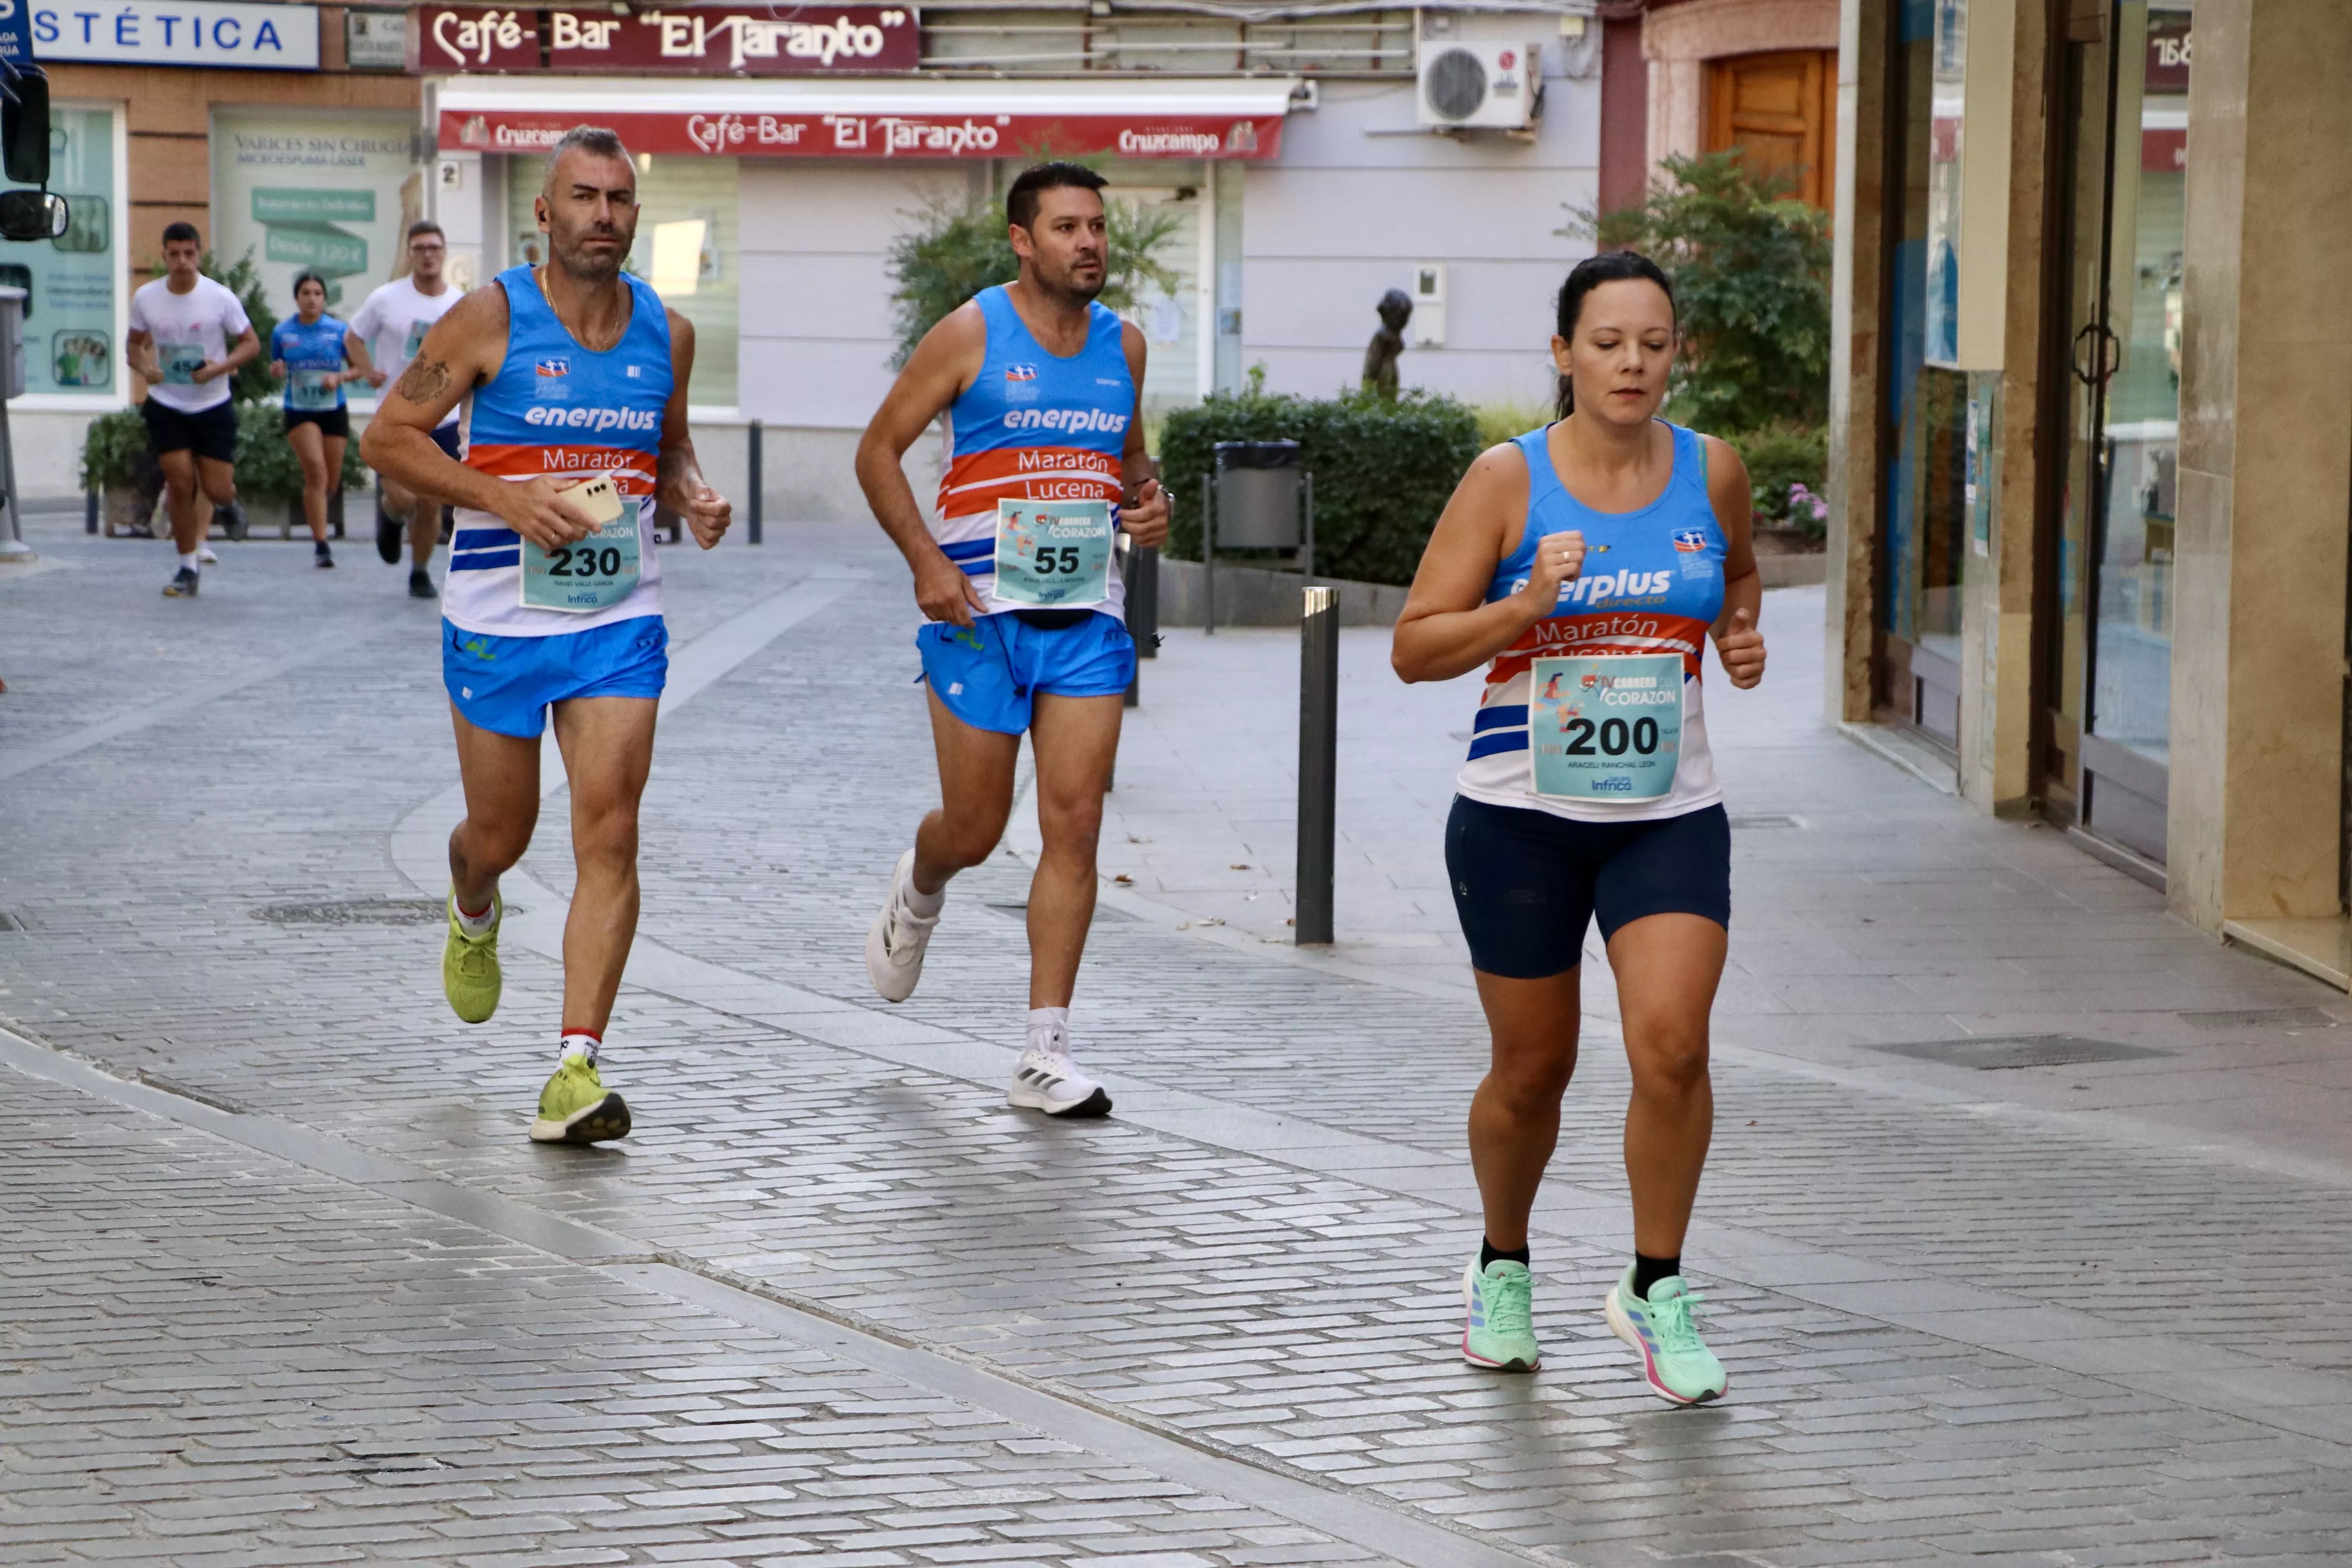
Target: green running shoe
[[469, 964], [576, 1108], [1675, 1361], [1500, 1330]]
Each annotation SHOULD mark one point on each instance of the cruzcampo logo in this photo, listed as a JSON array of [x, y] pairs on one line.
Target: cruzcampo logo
[[298, 228]]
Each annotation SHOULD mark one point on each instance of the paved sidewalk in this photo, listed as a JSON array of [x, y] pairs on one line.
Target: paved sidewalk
[[288, 1285]]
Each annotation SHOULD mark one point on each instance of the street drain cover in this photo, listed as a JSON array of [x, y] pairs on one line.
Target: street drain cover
[[359, 913], [1020, 911], [2259, 1018], [1997, 1053]]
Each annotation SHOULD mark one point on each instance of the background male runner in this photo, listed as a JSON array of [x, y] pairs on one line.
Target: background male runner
[[385, 334], [188, 334], [578, 374], [1042, 386]]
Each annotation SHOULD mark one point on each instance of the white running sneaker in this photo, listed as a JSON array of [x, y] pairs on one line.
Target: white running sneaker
[[204, 557], [1047, 1079], [893, 947]]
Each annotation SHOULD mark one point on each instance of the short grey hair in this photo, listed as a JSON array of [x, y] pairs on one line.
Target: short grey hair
[[596, 138]]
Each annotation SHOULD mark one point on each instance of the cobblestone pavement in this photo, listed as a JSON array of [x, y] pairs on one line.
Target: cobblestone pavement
[[287, 1282]]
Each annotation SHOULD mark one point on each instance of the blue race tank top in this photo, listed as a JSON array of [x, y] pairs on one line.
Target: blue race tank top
[[1651, 583], [317, 347], [1033, 426], [555, 410]]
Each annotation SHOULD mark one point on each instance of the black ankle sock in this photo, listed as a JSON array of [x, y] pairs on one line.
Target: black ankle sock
[[1489, 1252], [1648, 1271]]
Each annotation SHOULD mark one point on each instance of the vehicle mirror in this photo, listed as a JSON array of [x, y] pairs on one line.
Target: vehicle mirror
[[25, 127], [32, 215]]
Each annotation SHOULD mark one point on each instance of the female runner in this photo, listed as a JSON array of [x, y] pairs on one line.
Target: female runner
[[309, 352], [1590, 561]]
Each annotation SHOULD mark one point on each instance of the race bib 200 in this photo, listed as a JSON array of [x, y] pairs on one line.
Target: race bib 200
[[1606, 726]]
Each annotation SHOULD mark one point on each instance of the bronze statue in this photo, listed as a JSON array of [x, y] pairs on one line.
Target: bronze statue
[[1380, 353]]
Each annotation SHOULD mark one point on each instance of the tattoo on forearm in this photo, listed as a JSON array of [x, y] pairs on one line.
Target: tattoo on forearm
[[424, 381]]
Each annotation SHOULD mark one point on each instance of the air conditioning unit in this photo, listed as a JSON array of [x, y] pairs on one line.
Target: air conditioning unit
[[1473, 85]]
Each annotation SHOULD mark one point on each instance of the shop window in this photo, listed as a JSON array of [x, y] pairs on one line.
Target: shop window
[[1926, 522], [73, 283], [686, 248], [330, 192]]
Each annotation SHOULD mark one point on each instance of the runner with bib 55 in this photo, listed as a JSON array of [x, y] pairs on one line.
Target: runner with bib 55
[[1017, 578], [1591, 560]]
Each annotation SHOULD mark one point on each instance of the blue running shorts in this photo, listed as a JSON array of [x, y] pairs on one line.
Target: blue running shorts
[[1526, 883], [505, 684], [989, 673]]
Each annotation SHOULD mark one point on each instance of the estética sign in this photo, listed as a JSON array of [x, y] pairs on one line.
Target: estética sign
[[178, 33], [698, 40], [840, 136]]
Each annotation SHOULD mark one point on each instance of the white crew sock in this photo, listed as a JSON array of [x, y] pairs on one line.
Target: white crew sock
[[188, 561], [921, 905], [480, 924], [579, 1043], [1049, 1030]]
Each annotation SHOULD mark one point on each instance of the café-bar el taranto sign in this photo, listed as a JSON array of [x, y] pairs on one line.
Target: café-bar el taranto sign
[[845, 134], [697, 40]]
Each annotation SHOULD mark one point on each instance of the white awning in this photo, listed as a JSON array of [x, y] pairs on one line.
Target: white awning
[[901, 117], [1253, 98]]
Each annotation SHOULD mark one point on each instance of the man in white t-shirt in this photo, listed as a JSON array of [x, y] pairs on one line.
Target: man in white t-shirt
[[188, 335], [383, 337]]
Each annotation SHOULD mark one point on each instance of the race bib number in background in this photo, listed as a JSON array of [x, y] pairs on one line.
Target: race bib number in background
[[1052, 554], [1606, 726], [180, 363], [309, 390], [598, 571]]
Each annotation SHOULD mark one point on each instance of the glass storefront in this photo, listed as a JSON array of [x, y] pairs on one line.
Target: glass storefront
[[1925, 525], [72, 282], [2131, 698], [2110, 680]]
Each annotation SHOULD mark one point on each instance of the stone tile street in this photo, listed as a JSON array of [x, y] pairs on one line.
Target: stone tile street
[[281, 1280]]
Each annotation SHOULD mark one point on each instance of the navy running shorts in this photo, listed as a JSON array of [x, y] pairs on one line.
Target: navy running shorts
[[1525, 883]]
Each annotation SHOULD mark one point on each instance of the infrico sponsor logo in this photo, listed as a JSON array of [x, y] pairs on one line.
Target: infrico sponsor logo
[[1070, 420], [1172, 143]]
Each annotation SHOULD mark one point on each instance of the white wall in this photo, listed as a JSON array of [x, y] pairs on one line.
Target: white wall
[[1344, 214]]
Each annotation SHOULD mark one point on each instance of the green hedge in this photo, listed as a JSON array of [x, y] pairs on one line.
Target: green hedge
[[115, 452], [1778, 456], [1383, 470]]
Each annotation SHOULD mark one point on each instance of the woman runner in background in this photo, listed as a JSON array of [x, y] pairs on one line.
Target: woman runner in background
[[308, 351], [1590, 790]]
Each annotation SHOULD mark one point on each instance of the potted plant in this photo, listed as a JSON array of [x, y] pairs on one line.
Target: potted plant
[[115, 461]]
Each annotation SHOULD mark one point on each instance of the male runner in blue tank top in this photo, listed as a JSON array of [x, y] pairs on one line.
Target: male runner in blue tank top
[[579, 375], [1016, 576]]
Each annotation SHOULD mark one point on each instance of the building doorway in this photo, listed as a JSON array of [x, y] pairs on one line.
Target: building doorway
[[1780, 110], [2109, 679]]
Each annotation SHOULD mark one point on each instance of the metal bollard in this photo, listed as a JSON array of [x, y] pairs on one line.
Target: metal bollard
[[758, 440], [1208, 557], [1318, 760], [89, 505]]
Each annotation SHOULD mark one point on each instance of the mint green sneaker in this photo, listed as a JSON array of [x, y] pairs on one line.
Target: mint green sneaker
[[576, 1108], [1500, 1330], [1675, 1361], [469, 964]]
